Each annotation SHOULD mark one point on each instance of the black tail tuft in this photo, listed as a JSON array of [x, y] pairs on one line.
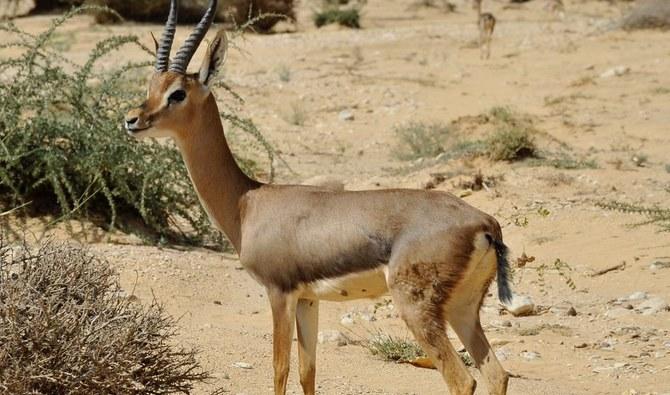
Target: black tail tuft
[[504, 290]]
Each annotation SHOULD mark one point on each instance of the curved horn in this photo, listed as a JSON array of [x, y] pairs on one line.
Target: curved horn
[[187, 50], [163, 52]]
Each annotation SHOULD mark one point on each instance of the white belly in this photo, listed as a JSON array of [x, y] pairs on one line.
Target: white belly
[[366, 284]]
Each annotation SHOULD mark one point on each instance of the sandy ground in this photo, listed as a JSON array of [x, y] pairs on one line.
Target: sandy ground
[[420, 65]]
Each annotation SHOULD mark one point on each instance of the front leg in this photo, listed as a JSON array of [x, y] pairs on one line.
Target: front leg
[[307, 317], [283, 317]]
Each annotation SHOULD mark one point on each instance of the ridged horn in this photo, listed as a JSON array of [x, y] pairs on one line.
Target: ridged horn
[[163, 52], [183, 57]]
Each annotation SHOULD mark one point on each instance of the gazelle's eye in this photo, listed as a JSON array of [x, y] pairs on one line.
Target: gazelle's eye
[[177, 96]]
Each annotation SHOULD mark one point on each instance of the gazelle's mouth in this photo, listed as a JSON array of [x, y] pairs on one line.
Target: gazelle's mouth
[[132, 131]]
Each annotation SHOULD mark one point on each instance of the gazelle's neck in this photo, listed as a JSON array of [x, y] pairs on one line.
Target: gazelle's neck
[[218, 180]]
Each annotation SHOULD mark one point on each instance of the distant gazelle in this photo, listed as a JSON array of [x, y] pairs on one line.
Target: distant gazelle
[[486, 23], [433, 252]]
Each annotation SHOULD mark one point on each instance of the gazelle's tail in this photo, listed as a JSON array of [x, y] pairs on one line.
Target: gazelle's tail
[[504, 290]]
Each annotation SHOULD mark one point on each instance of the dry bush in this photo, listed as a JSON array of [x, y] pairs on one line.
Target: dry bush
[[66, 328], [648, 14]]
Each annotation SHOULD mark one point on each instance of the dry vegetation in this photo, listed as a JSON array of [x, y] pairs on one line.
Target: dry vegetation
[[67, 327]]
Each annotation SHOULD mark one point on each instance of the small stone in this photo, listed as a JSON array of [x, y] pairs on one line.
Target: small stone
[[242, 365], [346, 115], [503, 354], [652, 306], [520, 305], [639, 295], [580, 345], [571, 312], [218, 302], [530, 355], [607, 344], [332, 336], [347, 319], [620, 365], [615, 72]]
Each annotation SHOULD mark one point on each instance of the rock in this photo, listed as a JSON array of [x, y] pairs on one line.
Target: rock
[[520, 305], [615, 72], [581, 345], [607, 344], [347, 319], [242, 365], [639, 295], [565, 310], [530, 355], [11, 9], [346, 115], [658, 265], [503, 354], [333, 336], [652, 306]]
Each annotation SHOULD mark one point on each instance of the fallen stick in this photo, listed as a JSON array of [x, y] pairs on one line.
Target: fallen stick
[[622, 265]]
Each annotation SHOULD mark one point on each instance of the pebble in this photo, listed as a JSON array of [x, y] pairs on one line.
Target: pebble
[[615, 72], [347, 319], [652, 306], [332, 336], [242, 365], [530, 355], [346, 115], [503, 354], [520, 305], [639, 295]]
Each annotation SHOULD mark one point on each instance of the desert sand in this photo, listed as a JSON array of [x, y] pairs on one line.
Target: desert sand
[[421, 65]]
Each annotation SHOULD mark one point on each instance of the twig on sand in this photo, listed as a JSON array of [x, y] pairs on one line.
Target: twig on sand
[[621, 265]]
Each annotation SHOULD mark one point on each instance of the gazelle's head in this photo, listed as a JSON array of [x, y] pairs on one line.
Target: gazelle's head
[[175, 98]]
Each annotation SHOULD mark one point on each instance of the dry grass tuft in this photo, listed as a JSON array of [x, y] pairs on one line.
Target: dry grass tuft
[[67, 328]]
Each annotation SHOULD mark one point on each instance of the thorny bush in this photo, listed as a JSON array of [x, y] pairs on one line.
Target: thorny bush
[[66, 327]]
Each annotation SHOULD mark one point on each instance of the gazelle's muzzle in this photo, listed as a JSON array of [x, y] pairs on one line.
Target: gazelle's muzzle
[[135, 121]]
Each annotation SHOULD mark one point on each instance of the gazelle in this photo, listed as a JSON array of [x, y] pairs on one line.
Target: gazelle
[[434, 253], [486, 23]]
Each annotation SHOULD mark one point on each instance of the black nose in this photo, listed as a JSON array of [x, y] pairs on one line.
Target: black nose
[[131, 121]]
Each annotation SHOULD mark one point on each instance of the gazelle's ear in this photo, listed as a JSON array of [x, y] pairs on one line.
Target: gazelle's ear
[[216, 54]]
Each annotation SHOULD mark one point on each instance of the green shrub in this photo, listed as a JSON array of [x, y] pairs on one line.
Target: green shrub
[[395, 349], [63, 149], [510, 144], [66, 327], [421, 140], [346, 17]]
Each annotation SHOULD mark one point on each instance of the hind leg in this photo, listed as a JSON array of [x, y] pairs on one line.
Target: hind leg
[[425, 320], [466, 324]]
